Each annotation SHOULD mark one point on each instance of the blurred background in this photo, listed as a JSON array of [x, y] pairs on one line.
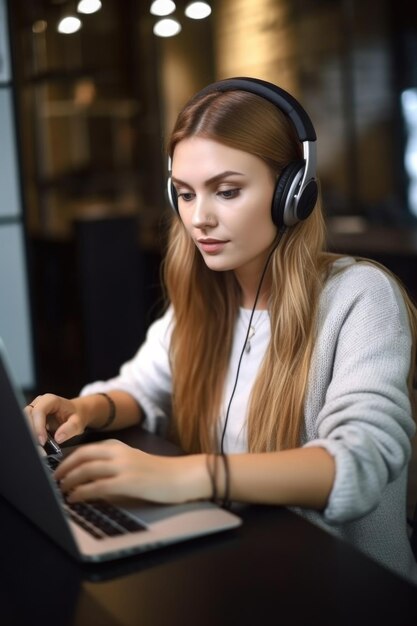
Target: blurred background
[[88, 94]]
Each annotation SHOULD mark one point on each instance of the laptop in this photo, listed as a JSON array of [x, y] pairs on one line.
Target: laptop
[[99, 532]]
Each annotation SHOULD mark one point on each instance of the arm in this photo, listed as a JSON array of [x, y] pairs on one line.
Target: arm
[[301, 477], [95, 409], [362, 414]]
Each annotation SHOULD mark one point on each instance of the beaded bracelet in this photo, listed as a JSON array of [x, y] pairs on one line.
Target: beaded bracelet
[[111, 416], [226, 497], [212, 471], [212, 477]]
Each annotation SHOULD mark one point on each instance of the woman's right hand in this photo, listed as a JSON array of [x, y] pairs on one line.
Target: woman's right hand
[[52, 413]]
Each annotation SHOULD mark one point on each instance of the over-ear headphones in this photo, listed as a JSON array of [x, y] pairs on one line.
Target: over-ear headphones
[[296, 189]]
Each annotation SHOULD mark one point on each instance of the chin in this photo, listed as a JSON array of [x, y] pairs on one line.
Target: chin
[[216, 264]]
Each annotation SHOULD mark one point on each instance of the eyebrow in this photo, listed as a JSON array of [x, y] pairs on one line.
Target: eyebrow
[[210, 181]]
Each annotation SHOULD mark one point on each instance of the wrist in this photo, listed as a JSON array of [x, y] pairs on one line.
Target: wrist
[[93, 411], [109, 417], [81, 409], [195, 482], [219, 474]]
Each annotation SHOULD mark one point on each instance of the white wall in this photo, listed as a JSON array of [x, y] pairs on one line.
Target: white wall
[[15, 327]]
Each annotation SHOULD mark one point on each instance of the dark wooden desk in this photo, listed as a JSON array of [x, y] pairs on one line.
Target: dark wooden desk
[[275, 569]]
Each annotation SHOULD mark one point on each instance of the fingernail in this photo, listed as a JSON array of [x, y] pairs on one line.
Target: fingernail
[[42, 440], [60, 437]]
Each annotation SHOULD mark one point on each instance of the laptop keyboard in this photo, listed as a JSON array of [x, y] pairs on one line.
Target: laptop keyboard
[[99, 518]]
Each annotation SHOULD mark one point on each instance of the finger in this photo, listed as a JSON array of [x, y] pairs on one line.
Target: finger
[[39, 424], [102, 488], [27, 410], [84, 454], [86, 473], [34, 401], [68, 429], [31, 404], [44, 411]]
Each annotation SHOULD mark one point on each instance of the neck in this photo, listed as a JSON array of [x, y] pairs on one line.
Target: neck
[[262, 303], [249, 290], [253, 278]]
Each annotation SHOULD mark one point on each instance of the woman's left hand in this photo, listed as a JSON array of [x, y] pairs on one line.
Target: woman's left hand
[[112, 469]]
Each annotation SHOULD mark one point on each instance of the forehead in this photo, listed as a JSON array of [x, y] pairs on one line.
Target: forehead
[[197, 155]]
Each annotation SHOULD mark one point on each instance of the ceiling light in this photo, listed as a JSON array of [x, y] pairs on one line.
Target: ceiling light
[[198, 10], [88, 6], [162, 7], [69, 24], [167, 28]]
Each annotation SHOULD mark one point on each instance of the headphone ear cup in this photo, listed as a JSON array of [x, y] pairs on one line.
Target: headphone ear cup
[[307, 200], [172, 196], [283, 215]]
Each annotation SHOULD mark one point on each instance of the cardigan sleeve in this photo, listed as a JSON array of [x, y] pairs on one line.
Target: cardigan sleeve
[[365, 422], [147, 376]]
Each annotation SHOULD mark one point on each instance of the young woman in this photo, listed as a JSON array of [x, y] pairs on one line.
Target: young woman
[[284, 371]]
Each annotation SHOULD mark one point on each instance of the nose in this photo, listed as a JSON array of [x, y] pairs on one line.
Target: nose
[[203, 215]]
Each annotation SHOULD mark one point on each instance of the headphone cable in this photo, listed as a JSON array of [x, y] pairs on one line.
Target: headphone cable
[[258, 291]]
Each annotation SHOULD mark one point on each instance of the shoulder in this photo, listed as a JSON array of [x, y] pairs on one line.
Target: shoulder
[[354, 278], [347, 271], [160, 330], [362, 285]]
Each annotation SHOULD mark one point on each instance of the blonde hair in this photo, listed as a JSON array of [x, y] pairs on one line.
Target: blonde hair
[[206, 303]]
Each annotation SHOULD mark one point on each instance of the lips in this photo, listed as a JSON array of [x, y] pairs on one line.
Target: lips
[[211, 246]]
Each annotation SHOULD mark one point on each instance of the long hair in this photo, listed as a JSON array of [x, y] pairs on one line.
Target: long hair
[[206, 303]]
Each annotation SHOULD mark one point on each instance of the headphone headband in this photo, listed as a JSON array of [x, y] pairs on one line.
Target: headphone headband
[[276, 95]]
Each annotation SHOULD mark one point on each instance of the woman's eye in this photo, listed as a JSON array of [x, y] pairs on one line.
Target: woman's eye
[[229, 194], [186, 196]]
